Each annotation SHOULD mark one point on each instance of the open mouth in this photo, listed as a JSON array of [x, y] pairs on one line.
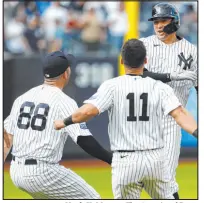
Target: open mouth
[[160, 32]]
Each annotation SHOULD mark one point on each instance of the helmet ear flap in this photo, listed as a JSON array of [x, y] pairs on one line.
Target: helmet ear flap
[[171, 27]]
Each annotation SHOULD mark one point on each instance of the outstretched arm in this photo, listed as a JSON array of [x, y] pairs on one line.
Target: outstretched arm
[[164, 77], [83, 114], [168, 77], [101, 101], [185, 120]]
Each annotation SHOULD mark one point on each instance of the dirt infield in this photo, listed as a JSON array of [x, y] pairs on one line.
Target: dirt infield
[[92, 163]]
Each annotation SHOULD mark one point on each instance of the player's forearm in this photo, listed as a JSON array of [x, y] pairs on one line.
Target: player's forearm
[[164, 77], [83, 114], [7, 147], [185, 120], [174, 76], [92, 147], [6, 151]]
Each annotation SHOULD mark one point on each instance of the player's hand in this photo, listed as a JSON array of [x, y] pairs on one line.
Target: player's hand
[[6, 139], [184, 75], [59, 124]]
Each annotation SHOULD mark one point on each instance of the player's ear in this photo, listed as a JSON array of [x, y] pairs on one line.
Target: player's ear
[[145, 60], [69, 71], [66, 73]]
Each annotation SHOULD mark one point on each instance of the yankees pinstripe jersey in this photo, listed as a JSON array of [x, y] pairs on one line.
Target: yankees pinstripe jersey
[[135, 106], [6, 123], [31, 121], [167, 58]]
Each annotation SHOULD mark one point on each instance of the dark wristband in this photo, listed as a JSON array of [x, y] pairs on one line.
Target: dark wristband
[[195, 133], [68, 121]]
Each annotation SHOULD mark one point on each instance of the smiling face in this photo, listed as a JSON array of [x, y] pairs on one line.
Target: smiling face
[[159, 25]]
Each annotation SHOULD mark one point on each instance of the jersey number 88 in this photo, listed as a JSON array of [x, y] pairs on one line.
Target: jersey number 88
[[27, 115]]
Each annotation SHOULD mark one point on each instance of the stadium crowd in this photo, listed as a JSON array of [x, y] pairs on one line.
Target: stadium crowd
[[79, 26]]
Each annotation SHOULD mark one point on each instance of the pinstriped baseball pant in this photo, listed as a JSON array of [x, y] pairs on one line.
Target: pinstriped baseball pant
[[50, 181], [172, 143], [133, 171]]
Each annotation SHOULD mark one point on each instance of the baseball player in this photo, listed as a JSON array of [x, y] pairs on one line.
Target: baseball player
[[167, 52], [37, 147], [135, 105]]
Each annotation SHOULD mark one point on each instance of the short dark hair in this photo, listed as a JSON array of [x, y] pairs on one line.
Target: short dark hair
[[133, 53]]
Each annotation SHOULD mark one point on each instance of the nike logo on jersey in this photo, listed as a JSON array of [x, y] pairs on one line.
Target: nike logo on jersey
[[122, 156], [156, 45]]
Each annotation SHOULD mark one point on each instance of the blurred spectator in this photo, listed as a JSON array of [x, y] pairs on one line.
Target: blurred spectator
[[111, 6], [42, 6], [49, 17], [10, 8], [58, 38], [92, 31], [98, 8], [13, 35], [118, 26], [34, 36], [79, 26], [146, 28], [72, 30], [76, 6], [189, 24], [30, 8]]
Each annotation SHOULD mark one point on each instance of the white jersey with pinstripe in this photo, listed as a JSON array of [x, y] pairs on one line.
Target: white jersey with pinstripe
[[6, 123], [164, 58], [31, 122], [136, 106]]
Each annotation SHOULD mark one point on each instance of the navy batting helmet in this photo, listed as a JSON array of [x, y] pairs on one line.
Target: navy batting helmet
[[166, 10]]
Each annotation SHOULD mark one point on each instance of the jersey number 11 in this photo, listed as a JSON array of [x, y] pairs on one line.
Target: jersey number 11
[[131, 98]]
